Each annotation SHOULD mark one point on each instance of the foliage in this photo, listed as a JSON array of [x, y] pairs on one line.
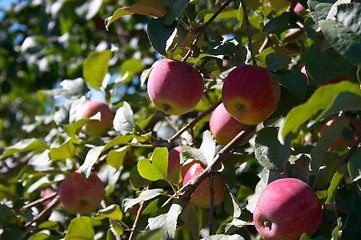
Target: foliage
[[55, 54]]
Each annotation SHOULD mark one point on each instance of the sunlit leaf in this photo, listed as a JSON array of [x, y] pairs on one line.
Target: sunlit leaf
[[143, 196], [112, 212], [154, 168], [115, 157], [95, 68], [80, 228], [24, 146], [124, 121]]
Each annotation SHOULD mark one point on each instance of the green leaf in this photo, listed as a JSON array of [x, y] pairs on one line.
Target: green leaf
[[224, 237], [90, 159], [171, 221], [5, 192], [322, 99], [324, 143], [160, 35], [345, 101], [294, 81], [64, 151], [278, 24], [129, 68], [320, 8], [269, 152], [176, 11], [337, 229], [116, 226], [119, 140], [115, 158], [143, 196], [124, 120], [324, 64], [227, 14], [209, 64], [354, 165], [95, 68], [154, 168], [154, 8], [80, 228], [24, 146], [336, 180], [196, 153], [112, 212], [344, 34], [277, 61]]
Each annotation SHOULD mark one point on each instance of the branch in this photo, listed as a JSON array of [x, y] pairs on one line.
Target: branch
[[48, 208], [135, 224], [249, 32], [39, 201], [352, 150], [192, 123], [211, 201], [202, 28]]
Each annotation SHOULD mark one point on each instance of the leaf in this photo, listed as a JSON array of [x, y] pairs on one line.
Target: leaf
[[143, 196], [320, 8], [64, 151], [116, 226], [176, 11], [115, 158], [196, 153], [344, 34], [354, 165], [294, 81], [80, 228], [209, 64], [24, 145], [277, 61], [154, 8], [226, 14], [324, 143], [73, 88], [124, 120], [322, 99], [112, 212], [160, 35], [224, 237], [155, 168], [337, 229], [336, 180], [129, 68], [95, 68], [278, 24], [323, 63], [171, 221], [90, 159], [345, 101], [208, 147], [269, 152]]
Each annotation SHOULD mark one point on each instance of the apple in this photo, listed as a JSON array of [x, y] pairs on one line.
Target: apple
[[174, 159], [298, 8], [250, 94], [100, 126], [352, 128], [286, 209], [175, 87], [78, 195], [224, 127], [201, 196]]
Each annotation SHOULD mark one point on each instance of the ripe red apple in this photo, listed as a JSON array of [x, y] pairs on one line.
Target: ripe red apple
[[97, 127], [174, 159], [78, 195], [286, 209], [201, 196], [353, 128], [298, 8], [175, 87], [224, 127], [250, 94]]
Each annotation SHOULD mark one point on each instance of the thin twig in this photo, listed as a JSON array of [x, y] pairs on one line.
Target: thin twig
[[211, 203], [48, 208], [352, 150], [39, 201], [192, 123], [201, 29], [249, 32], [134, 230]]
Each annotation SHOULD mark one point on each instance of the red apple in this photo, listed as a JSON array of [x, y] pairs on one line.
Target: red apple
[[201, 196], [352, 125], [78, 195], [175, 87], [97, 127], [174, 159], [250, 94], [224, 127], [298, 8], [286, 209]]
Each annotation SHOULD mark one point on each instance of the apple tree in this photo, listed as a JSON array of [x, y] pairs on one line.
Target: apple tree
[[174, 119]]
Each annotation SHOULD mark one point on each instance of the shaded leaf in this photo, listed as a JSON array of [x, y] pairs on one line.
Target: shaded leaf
[[160, 35], [294, 81], [277, 61], [90, 159], [354, 165], [176, 11], [209, 64]]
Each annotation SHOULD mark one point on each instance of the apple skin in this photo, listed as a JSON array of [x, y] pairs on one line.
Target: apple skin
[[298, 8], [250, 94], [224, 127], [78, 195], [201, 196], [286, 209], [174, 159], [95, 127], [340, 142], [175, 87]]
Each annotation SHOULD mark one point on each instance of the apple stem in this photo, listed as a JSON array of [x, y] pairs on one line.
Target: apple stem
[[201, 29], [249, 32]]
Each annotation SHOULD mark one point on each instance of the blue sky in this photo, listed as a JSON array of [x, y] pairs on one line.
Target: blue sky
[[6, 3]]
